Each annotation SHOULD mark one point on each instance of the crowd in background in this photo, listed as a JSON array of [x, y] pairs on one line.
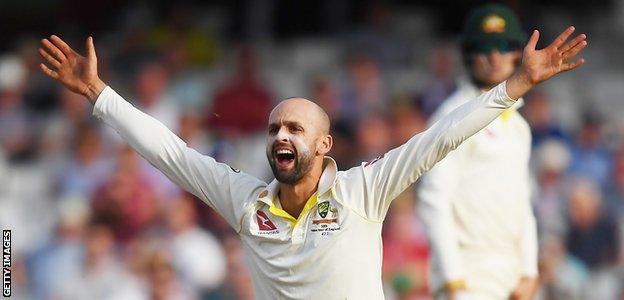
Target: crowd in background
[[93, 220]]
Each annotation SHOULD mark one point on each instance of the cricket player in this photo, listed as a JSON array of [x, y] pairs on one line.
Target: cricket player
[[313, 232], [475, 203]]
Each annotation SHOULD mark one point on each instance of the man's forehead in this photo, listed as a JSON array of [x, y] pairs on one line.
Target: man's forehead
[[292, 109], [300, 110]]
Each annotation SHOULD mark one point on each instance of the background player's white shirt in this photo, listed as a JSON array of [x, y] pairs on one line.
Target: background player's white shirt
[[475, 204], [334, 250]]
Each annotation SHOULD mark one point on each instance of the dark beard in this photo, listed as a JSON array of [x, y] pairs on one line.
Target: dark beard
[[303, 165]]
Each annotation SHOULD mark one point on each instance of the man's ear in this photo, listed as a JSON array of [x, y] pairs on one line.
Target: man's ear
[[325, 144]]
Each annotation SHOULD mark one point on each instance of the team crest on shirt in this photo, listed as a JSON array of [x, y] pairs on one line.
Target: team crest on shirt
[[327, 220], [323, 209]]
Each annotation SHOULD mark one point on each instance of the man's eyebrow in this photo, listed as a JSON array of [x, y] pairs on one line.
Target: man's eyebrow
[[288, 123], [295, 123]]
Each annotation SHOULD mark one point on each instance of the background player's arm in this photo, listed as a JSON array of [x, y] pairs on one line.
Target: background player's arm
[[435, 208], [214, 183], [436, 191], [391, 174], [527, 285]]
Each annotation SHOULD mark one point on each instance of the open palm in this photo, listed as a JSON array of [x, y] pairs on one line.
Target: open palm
[[76, 72], [543, 64]]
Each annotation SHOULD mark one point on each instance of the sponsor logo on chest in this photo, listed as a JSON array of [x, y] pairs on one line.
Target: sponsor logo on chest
[[265, 225]]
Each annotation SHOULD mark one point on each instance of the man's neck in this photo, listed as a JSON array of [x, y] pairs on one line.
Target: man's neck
[[293, 197]]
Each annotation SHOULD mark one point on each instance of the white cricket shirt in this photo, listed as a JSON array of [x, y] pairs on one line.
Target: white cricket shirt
[[476, 207], [333, 251]]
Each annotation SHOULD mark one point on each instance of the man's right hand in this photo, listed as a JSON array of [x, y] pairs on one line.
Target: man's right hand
[[74, 71]]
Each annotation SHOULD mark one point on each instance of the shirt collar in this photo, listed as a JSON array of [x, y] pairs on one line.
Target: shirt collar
[[326, 182]]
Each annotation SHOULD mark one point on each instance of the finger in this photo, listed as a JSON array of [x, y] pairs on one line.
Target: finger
[[53, 50], [571, 66], [48, 71], [574, 51], [574, 42], [562, 37], [51, 60], [62, 45], [532, 43], [91, 50]]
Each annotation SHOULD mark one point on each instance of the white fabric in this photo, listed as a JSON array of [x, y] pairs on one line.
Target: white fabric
[[330, 253], [476, 206]]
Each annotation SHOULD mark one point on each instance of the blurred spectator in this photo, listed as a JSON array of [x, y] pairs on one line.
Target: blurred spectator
[[238, 117], [442, 67], [374, 137], [590, 157], [325, 94], [3, 168], [164, 283], [151, 87], [63, 125], [61, 254], [592, 236], [198, 258], [380, 38], [551, 159], [342, 150], [127, 200], [238, 283], [366, 94], [242, 106], [20, 282], [538, 113], [17, 136], [191, 130], [615, 192], [89, 167], [188, 46], [407, 121], [561, 275], [99, 276]]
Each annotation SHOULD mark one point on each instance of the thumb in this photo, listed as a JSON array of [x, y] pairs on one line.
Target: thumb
[[91, 50]]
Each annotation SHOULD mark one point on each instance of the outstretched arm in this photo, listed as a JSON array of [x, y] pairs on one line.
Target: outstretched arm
[[220, 186], [389, 175]]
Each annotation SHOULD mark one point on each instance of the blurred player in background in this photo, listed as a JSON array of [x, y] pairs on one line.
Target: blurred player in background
[[314, 232], [475, 203]]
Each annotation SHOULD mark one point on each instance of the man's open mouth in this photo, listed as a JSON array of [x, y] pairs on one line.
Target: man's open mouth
[[285, 158]]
